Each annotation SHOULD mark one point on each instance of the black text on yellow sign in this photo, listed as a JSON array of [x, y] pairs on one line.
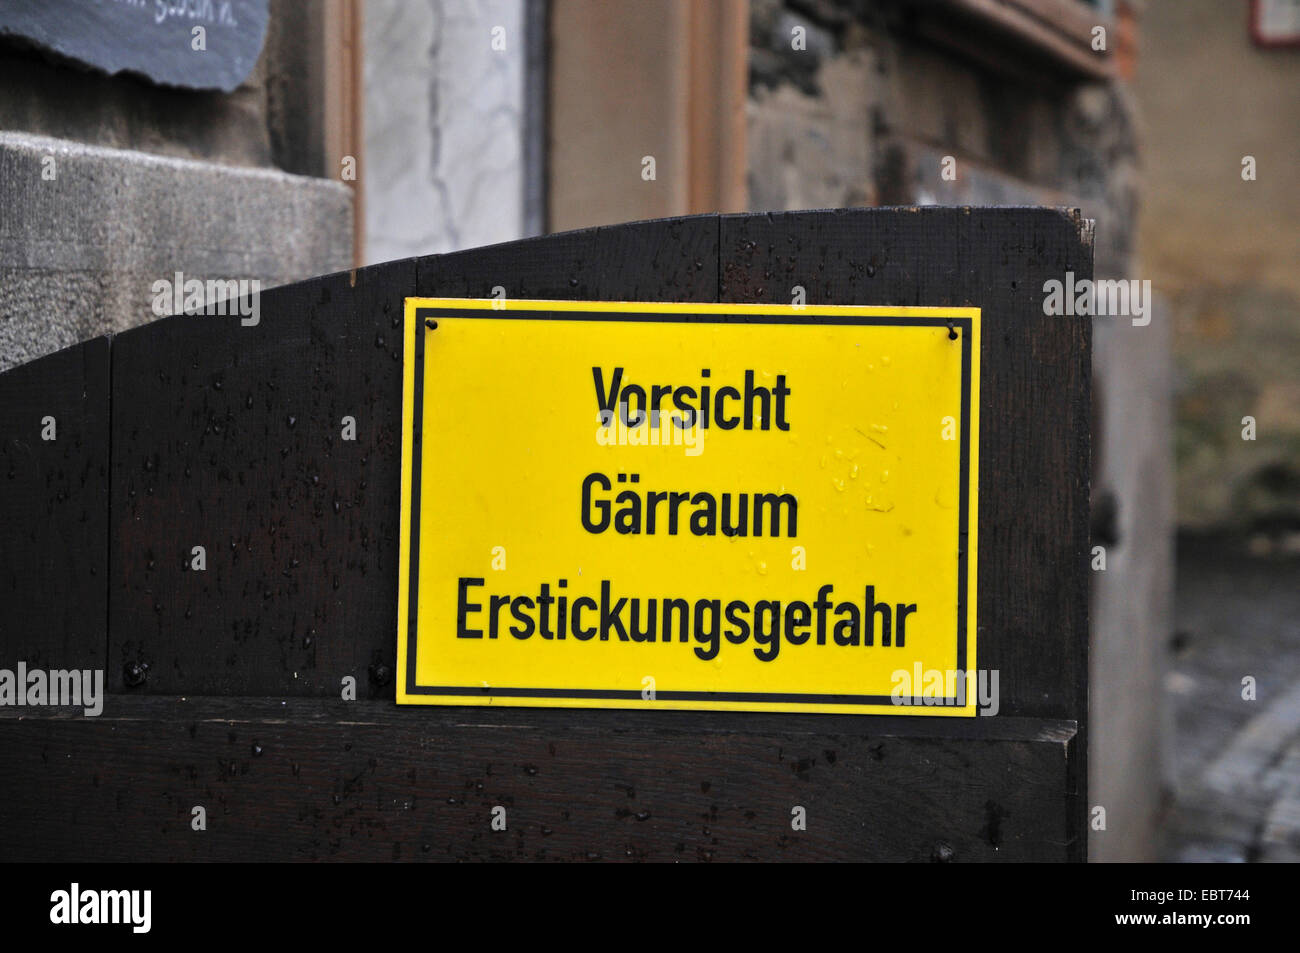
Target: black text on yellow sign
[[743, 507]]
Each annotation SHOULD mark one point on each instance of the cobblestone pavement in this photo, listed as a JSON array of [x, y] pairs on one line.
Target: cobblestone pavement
[[1236, 763]]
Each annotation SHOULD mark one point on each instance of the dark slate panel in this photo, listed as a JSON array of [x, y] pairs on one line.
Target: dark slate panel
[[154, 40], [54, 510]]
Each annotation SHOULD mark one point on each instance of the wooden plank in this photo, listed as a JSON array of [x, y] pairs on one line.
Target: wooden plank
[[606, 112], [677, 92], [229, 437], [1034, 409], [718, 77], [54, 510], [342, 98], [673, 259], [309, 779], [1056, 31]]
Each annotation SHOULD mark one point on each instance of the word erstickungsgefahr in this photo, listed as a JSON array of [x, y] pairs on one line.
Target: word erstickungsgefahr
[[632, 619]]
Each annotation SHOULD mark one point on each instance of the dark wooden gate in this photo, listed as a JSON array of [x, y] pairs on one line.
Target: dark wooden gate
[[225, 685]]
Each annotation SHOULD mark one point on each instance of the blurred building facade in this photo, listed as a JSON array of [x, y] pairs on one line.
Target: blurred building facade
[[1220, 240], [466, 123], [1217, 86], [671, 107]]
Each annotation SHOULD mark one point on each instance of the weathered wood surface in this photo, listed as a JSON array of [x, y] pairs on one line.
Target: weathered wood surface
[[229, 437], [1034, 400], [309, 779], [54, 510]]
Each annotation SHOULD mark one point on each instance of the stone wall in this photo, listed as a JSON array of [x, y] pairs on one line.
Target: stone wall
[[111, 183], [80, 251]]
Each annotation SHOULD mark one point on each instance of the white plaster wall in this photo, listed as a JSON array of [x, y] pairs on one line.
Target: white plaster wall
[[443, 166]]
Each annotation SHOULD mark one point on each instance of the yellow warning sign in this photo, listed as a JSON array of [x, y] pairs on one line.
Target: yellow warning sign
[[635, 505]]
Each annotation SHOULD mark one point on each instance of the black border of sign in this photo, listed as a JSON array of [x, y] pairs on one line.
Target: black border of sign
[[417, 408]]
